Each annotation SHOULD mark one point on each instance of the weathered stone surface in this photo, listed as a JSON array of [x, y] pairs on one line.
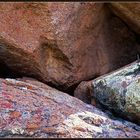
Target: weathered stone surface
[[119, 91], [29, 108], [63, 43], [82, 92], [129, 12], [90, 125]]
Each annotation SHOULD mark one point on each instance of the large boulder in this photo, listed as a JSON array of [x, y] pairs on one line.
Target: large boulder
[[29, 108], [129, 12], [119, 91], [63, 43]]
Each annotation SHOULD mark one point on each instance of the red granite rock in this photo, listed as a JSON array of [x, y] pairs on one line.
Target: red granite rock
[[63, 43], [41, 111]]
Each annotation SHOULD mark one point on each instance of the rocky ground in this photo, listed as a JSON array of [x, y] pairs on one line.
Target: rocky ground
[[64, 71], [32, 109]]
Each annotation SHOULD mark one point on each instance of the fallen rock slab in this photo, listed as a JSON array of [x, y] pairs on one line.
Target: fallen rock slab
[[63, 44], [118, 91], [29, 108]]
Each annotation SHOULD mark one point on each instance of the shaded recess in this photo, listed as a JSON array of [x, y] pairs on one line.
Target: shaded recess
[[6, 72]]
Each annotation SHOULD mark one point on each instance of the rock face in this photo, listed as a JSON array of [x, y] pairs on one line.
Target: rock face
[[129, 12], [119, 91], [63, 43], [83, 91], [29, 108]]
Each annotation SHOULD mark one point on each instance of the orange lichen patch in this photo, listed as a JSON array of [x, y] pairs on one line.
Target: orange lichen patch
[[29, 87], [32, 126], [15, 114], [61, 132], [48, 129]]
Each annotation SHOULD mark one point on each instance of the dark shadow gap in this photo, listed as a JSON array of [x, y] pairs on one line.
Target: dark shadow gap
[[6, 72]]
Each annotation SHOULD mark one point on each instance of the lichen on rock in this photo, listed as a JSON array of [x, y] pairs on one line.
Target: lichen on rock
[[120, 92]]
